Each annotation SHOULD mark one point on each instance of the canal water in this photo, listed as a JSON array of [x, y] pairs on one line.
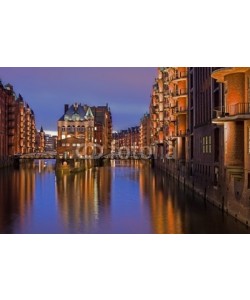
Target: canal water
[[125, 197]]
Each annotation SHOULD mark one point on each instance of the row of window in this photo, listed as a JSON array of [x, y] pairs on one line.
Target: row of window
[[68, 145], [78, 128]]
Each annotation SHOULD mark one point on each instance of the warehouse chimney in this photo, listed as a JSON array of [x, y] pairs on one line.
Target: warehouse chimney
[[66, 107]]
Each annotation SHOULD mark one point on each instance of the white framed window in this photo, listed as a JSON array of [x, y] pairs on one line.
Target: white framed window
[[207, 144]]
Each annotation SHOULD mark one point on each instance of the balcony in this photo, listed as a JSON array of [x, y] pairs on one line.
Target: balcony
[[179, 76], [180, 110], [220, 73], [182, 133], [172, 118], [179, 93], [172, 134], [171, 104], [235, 112]]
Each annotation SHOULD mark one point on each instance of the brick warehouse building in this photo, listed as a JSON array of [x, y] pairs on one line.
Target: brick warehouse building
[[86, 129], [200, 132], [103, 127], [233, 118], [145, 133], [127, 141], [17, 125]]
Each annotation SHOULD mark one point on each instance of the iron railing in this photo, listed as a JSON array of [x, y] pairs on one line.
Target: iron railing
[[232, 110]]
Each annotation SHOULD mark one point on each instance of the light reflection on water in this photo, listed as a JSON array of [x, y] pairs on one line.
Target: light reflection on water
[[125, 197]]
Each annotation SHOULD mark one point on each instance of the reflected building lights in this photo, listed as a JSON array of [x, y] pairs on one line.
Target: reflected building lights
[[165, 218], [18, 187], [84, 199]]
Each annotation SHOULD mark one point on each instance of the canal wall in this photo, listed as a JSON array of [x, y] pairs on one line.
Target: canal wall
[[223, 196], [8, 162]]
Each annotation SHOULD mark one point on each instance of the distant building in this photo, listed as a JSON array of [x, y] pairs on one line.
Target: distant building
[[128, 139], [40, 141], [84, 130], [145, 132], [103, 128], [76, 131], [50, 142]]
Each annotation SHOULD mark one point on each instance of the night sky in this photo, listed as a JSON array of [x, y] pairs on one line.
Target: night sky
[[126, 90]]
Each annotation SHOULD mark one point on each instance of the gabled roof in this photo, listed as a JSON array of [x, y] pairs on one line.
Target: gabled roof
[[89, 114], [77, 112]]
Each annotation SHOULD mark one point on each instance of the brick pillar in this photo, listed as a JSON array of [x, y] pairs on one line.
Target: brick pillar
[[235, 88], [234, 143]]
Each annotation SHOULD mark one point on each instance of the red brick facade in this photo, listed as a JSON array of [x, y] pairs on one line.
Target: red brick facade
[[17, 125], [204, 137]]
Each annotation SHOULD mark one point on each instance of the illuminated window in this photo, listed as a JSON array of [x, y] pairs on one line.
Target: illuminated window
[[207, 144]]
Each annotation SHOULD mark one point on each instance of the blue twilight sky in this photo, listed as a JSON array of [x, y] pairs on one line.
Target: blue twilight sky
[[126, 90]]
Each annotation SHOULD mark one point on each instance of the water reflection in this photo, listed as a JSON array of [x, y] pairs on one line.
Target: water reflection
[[84, 199], [174, 209], [165, 214], [17, 195], [125, 197]]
